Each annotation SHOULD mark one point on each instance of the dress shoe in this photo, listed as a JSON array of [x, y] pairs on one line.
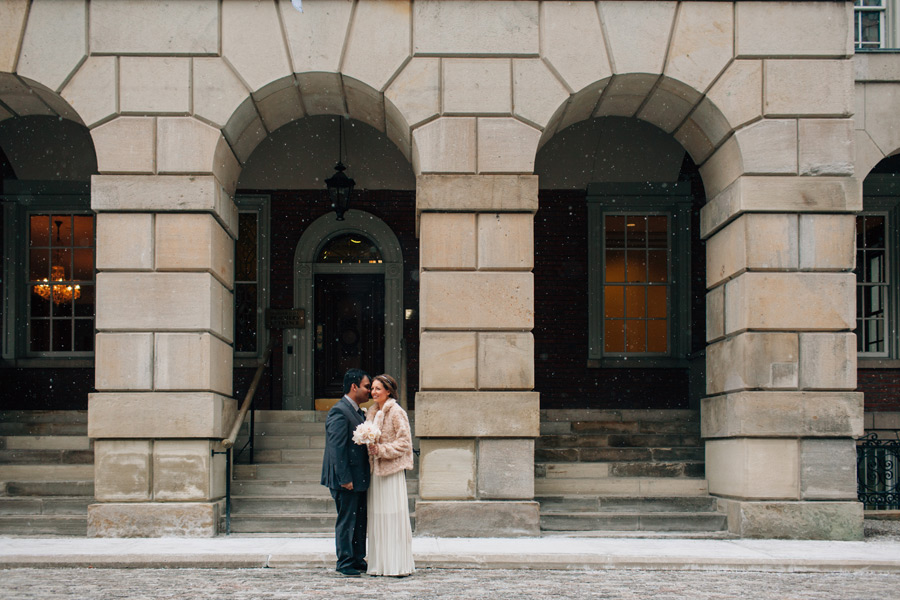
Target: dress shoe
[[349, 572], [362, 567]]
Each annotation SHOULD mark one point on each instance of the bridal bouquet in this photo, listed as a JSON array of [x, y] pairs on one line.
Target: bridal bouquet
[[366, 433]]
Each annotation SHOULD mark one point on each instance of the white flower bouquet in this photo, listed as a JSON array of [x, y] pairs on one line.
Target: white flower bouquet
[[366, 433]]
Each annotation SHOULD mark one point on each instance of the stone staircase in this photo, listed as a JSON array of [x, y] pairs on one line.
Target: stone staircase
[[280, 492], [638, 471], [46, 473]]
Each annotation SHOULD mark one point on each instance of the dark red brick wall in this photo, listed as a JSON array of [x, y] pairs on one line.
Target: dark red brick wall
[[291, 213], [45, 389], [881, 388]]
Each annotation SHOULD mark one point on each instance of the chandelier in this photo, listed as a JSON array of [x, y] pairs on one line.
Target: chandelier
[[61, 293]]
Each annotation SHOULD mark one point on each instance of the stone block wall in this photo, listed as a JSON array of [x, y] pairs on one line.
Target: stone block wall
[[178, 97]]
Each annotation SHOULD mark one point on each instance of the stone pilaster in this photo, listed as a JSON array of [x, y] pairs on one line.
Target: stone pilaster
[[165, 246], [476, 415], [781, 413]]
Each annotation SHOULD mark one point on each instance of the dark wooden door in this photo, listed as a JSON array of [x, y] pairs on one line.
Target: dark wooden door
[[349, 329]]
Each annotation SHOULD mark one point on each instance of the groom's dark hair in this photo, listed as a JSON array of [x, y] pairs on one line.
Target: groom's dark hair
[[353, 376]]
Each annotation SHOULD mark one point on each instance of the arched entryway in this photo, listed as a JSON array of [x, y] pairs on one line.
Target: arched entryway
[[352, 302]]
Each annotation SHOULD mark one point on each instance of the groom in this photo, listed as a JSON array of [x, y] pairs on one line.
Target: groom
[[345, 471]]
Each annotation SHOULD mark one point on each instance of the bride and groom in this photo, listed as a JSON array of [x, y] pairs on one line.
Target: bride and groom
[[368, 481]]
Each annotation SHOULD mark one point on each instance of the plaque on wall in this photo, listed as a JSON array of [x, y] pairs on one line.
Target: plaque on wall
[[285, 318]]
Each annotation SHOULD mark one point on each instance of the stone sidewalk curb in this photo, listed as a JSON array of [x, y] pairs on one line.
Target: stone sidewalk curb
[[459, 553]]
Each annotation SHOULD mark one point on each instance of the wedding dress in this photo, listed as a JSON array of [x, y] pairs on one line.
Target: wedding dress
[[389, 531]]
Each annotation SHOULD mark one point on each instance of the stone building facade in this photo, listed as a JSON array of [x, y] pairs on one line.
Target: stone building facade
[[745, 136]]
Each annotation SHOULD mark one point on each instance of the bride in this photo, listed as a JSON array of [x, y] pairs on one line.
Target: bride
[[389, 532]]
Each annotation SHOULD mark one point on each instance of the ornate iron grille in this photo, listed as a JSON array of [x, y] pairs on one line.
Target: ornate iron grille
[[878, 472]]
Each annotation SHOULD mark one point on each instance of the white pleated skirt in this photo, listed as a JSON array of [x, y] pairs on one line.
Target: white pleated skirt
[[389, 532]]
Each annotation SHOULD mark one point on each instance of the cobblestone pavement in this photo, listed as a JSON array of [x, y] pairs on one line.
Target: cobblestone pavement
[[278, 584]]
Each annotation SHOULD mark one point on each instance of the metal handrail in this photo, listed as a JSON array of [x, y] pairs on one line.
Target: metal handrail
[[248, 399]]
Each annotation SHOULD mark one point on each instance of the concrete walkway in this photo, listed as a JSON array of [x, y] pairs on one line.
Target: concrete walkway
[[478, 553]]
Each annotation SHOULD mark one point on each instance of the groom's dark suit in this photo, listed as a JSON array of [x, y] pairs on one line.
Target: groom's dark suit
[[346, 462]]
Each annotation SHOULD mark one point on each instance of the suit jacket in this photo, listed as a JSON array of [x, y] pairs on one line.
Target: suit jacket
[[344, 461]]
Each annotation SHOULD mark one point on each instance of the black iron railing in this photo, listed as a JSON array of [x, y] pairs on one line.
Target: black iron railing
[[878, 472]]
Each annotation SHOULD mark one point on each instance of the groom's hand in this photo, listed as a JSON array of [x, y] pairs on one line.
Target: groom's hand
[[348, 486]]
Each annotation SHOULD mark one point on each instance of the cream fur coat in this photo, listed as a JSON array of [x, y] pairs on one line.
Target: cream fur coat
[[394, 449]]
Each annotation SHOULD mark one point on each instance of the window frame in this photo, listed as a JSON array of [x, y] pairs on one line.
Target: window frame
[[17, 210], [858, 11], [674, 200], [881, 196], [260, 205]]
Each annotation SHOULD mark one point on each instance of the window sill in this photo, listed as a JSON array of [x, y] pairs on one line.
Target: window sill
[[877, 363], [47, 363], [638, 363]]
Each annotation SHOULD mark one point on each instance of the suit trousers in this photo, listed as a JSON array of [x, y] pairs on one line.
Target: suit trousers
[[350, 528]]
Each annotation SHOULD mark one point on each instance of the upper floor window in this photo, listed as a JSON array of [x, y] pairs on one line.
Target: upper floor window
[[639, 247], [869, 19]]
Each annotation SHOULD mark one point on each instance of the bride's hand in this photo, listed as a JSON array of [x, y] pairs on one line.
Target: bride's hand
[[372, 450]]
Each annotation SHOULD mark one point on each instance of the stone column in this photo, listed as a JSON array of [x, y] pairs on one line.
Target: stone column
[[476, 415], [165, 245], [781, 415]]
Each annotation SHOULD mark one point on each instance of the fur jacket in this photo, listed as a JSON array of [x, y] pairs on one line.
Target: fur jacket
[[393, 451]]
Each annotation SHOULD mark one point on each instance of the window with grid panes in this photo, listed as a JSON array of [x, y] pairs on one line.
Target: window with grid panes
[[60, 267], [872, 284], [636, 283], [251, 276], [870, 21], [639, 256]]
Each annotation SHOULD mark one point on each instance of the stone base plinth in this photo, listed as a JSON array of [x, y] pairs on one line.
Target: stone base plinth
[[795, 520], [154, 519], [478, 519]]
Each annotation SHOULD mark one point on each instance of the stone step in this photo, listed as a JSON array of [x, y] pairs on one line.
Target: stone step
[[288, 416], [45, 442], [47, 488], [323, 524], [8, 428], [46, 473], [619, 414], [60, 505], [618, 504], [618, 454], [618, 440], [577, 470], [638, 521], [252, 487], [289, 523], [279, 472], [282, 428], [31, 525], [44, 416], [274, 505], [622, 486], [45, 457], [280, 442], [297, 416], [286, 455], [277, 505], [249, 488]]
